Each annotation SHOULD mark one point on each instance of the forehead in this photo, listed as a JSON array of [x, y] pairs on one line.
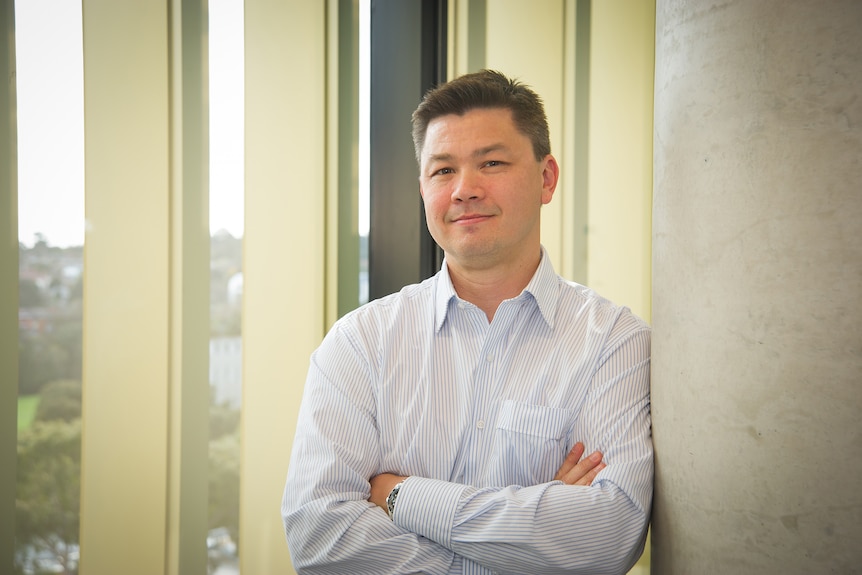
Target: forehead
[[473, 130]]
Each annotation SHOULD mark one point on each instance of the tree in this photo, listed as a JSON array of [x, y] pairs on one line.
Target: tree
[[224, 420], [224, 484], [60, 401], [40, 360], [29, 294], [47, 505]]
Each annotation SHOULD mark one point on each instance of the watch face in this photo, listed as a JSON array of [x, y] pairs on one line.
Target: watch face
[[390, 500]]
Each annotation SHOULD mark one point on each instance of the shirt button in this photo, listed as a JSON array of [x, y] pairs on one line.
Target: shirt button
[[480, 424], [490, 357]]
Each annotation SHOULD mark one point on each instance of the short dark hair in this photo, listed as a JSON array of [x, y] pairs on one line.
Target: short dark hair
[[485, 89]]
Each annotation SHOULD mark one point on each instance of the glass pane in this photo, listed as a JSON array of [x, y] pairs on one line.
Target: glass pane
[[226, 228], [50, 119], [364, 143]]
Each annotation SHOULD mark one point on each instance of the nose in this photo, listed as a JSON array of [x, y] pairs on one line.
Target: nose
[[467, 186]]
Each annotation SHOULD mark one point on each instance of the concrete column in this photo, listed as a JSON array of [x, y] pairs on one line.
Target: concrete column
[[757, 287]]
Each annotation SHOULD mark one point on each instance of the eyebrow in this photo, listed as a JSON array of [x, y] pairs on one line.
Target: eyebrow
[[475, 154]]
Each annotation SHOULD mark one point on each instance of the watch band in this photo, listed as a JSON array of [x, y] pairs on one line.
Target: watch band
[[390, 500]]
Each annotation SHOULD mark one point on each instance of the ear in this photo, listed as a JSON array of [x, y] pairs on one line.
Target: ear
[[550, 177]]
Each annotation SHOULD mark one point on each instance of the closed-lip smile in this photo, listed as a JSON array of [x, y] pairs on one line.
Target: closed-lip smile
[[470, 218]]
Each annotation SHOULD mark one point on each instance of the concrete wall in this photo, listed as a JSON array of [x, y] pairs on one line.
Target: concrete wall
[[757, 285]]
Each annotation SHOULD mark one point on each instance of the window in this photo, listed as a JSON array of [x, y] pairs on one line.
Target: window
[[51, 233], [226, 280]]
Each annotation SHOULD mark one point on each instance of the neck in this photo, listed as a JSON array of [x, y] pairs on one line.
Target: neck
[[486, 288]]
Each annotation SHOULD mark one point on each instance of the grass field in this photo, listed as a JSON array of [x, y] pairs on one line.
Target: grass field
[[27, 405]]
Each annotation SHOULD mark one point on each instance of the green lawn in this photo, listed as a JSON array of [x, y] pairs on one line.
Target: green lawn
[[27, 405]]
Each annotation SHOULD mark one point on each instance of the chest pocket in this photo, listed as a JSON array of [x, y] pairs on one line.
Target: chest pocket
[[530, 443]]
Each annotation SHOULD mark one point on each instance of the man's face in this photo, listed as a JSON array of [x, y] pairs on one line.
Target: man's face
[[483, 189]]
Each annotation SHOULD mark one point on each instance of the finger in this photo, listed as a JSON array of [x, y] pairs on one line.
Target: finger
[[576, 475], [574, 455], [591, 475]]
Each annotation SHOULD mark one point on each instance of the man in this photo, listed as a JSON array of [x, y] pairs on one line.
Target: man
[[443, 428]]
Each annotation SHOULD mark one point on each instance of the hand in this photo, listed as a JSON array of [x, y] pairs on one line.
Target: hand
[[381, 485], [577, 471]]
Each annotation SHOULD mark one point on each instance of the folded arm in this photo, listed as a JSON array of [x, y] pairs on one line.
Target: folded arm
[[331, 510], [592, 518], [330, 525]]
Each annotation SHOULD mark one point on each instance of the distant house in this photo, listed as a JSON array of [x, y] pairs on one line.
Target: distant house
[[234, 289], [35, 321], [226, 370]]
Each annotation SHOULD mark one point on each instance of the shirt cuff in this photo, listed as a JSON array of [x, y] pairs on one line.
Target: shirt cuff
[[427, 507]]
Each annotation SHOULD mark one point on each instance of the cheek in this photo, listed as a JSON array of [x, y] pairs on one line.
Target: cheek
[[436, 202]]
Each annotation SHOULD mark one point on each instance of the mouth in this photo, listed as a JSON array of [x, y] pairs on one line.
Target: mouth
[[467, 219]]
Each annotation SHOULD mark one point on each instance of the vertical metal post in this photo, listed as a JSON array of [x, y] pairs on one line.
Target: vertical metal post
[[8, 288], [407, 58]]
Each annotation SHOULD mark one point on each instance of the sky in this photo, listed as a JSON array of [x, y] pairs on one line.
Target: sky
[[51, 119]]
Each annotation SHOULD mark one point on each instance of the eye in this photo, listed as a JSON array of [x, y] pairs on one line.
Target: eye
[[443, 172], [493, 163]]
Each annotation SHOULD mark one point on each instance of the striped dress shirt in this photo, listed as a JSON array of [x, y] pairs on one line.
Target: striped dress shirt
[[480, 416]]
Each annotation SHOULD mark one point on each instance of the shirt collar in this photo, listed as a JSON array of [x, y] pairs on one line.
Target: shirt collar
[[543, 287]]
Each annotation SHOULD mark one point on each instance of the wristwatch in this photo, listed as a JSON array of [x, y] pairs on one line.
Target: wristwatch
[[390, 500]]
